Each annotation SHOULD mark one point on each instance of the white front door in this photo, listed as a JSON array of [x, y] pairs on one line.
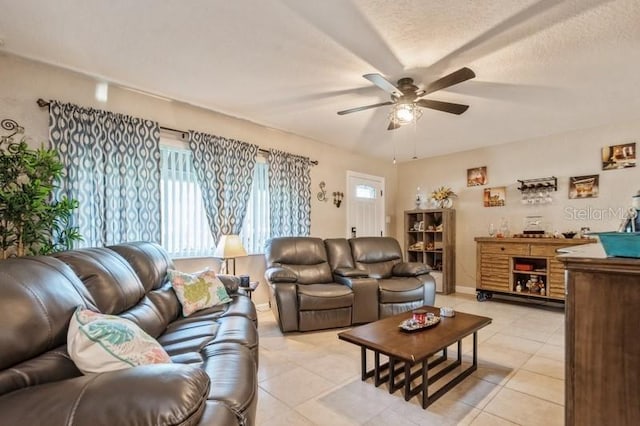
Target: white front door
[[365, 205]]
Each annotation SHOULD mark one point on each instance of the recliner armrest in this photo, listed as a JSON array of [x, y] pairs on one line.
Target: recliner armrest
[[146, 395], [350, 273], [231, 282], [410, 269], [365, 298], [278, 274]]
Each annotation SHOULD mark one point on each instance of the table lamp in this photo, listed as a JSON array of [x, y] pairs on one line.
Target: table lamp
[[229, 247]]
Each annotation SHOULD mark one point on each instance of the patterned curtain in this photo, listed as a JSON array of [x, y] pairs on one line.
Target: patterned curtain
[[224, 168], [289, 194], [112, 165]]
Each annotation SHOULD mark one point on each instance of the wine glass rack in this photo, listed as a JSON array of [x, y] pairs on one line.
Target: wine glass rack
[[547, 183]]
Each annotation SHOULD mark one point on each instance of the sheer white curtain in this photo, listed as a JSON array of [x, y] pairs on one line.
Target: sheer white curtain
[[256, 229], [185, 230]]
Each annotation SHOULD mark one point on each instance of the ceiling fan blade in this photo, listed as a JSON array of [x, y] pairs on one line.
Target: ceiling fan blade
[[393, 125], [463, 74], [383, 83], [362, 108], [442, 106]]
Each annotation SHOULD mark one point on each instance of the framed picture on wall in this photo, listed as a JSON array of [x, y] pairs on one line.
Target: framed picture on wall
[[477, 176], [619, 156], [495, 197], [584, 186]]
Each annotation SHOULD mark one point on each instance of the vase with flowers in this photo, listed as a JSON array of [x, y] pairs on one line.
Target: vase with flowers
[[442, 197]]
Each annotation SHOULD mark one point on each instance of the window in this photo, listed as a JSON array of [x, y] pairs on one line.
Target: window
[[255, 228], [185, 228], [366, 191]]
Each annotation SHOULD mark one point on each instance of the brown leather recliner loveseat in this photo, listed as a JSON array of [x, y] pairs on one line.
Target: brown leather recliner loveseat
[[212, 379], [316, 284]]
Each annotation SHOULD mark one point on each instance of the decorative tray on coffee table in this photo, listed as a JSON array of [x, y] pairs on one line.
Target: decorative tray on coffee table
[[412, 325]]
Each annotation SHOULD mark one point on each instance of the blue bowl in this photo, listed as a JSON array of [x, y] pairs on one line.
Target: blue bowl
[[620, 244]]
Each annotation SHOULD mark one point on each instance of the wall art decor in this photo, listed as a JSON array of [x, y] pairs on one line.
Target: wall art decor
[[584, 186], [477, 176], [619, 156], [495, 197]]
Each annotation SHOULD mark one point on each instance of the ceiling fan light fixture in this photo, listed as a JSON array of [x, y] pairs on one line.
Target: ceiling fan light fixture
[[405, 113]]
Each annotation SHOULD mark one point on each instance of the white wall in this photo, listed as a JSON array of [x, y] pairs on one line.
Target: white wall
[[572, 154], [23, 81]]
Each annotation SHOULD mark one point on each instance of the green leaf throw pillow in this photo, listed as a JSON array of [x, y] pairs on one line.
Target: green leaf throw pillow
[[98, 343], [198, 291]]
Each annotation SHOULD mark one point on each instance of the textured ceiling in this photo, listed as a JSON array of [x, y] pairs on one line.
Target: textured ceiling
[[543, 67]]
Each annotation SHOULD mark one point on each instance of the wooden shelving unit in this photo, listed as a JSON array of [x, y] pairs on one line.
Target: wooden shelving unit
[[430, 238]]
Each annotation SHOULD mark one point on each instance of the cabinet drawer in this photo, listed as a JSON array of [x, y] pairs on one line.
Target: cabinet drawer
[[492, 276], [495, 260], [556, 280], [512, 249], [556, 293], [494, 284], [543, 250]]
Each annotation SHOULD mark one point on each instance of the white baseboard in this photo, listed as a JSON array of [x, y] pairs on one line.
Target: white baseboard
[[465, 289]]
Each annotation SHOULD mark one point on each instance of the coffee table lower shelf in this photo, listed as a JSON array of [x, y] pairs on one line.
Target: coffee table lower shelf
[[397, 372]]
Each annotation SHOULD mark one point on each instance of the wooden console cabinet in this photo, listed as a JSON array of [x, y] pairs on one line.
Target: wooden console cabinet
[[602, 348], [505, 265]]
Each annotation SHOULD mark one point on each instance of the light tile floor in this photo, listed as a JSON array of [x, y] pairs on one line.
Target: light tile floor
[[314, 378]]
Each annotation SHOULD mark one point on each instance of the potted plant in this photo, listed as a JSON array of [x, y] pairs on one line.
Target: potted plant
[[31, 222]]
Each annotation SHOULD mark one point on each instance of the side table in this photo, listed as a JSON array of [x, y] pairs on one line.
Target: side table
[[252, 287]]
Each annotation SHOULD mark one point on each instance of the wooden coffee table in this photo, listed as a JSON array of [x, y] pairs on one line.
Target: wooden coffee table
[[405, 350]]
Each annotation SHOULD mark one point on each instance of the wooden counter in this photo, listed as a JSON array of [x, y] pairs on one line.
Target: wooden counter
[[602, 338]]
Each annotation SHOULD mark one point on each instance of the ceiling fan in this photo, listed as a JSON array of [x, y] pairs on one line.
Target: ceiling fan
[[406, 97]]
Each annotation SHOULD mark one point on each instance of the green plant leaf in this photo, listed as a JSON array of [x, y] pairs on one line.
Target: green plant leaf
[[28, 214]]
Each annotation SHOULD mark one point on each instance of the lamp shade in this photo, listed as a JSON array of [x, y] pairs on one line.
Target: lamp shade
[[229, 246]]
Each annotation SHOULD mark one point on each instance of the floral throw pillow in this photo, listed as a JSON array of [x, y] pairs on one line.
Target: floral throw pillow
[[198, 291], [98, 343]]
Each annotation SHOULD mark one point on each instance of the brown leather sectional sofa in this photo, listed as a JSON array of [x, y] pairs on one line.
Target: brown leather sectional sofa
[[316, 284], [213, 377]]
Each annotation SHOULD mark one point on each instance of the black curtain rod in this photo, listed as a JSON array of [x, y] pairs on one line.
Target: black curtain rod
[[42, 103]]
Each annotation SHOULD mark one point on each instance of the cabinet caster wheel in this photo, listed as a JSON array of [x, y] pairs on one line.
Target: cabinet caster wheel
[[482, 296]]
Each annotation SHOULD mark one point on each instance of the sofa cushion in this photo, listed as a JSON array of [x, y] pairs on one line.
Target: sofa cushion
[[125, 397], [376, 255], [192, 336], [149, 260], [339, 253], [313, 297], [98, 343], [198, 291], [112, 282], [38, 295], [305, 257]]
